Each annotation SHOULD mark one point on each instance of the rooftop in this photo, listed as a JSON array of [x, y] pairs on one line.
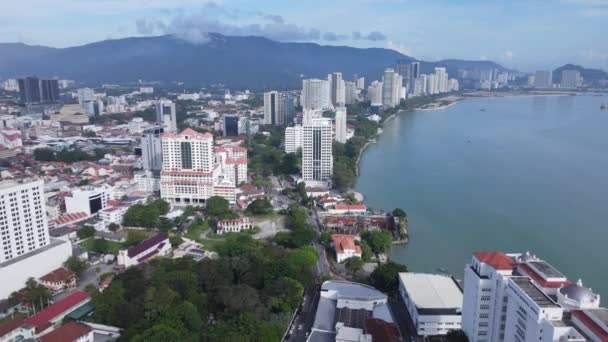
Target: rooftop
[[595, 320], [431, 291], [59, 275], [146, 244], [71, 331], [42, 318], [536, 294], [498, 260]]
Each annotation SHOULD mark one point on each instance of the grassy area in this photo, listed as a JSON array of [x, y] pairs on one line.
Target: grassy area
[[114, 247], [211, 245], [196, 230]]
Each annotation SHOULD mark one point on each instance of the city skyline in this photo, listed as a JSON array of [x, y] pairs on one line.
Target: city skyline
[[518, 35]]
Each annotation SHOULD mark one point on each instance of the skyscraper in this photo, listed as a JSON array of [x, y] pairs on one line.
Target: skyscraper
[[337, 89], [374, 94], [350, 93], [274, 109], [441, 78], [315, 94], [340, 120], [151, 149], [361, 83], [23, 222], [317, 155], [404, 69], [166, 115], [543, 79], [414, 75], [49, 91], [231, 125], [391, 89], [570, 79], [293, 138], [288, 109], [29, 90]]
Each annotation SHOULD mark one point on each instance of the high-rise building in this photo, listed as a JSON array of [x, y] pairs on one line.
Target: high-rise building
[[29, 90], [26, 249], [23, 223], [519, 297], [187, 168], [231, 125], [391, 89], [151, 149], [49, 91], [543, 79], [570, 79], [340, 125], [289, 109], [431, 84], [317, 155], [361, 83], [166, 115], [274, 109], [374, 94], [350, 93], [293, 138], [404, 69], [315, 94], [336, 89], [441, 78], [233, 164]]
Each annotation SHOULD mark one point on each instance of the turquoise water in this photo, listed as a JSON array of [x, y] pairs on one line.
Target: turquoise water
[[526, 174]]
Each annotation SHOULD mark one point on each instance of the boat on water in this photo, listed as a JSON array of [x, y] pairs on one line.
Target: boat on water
[[604, 106]]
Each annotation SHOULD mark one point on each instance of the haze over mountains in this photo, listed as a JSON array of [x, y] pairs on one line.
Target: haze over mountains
[[253, 62]]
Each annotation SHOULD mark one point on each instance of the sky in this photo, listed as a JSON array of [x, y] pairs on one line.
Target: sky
[[521, 34]]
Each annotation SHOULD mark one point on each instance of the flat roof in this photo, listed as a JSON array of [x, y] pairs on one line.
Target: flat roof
[[599, 315], [545, 269], [432, 291], [538, 296]]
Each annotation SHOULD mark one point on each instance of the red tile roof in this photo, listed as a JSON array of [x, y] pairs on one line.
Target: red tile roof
[[69, 218], [498, 260], [591, 325], [42, 319], [539, 279], [10, 326], [146, 244], [69, 332], [343, 241], [59, 275], [241, 160], [381, 330]]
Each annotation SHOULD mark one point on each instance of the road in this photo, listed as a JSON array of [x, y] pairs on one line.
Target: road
[[89, 276]]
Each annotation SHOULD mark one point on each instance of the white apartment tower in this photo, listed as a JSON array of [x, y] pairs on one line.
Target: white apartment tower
[[293, 138], [274, 109], [350, 93], [317, 155], [543, 79], [151, 149], [519, 297], [441, 77], [166, 115], [374, 94], [233, 162], [337, 89], [340, 125], [391, 88], [187, 171], [23, 222], [315, 94]]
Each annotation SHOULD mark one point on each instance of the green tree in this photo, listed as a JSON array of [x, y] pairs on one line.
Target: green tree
[[135, 236], [325, 238], [100, 246], [176, 240], [260, 206], [44, 154], [457, 335], [386, 277], [86, 232], [379, 241], [398, 212], [113, 227], [76, 265], [366, 251], [353, 264], [217, 206]]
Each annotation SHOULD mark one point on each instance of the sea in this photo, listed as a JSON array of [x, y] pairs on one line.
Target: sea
[[512, 174]]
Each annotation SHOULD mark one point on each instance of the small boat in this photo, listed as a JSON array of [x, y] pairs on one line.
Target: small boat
[[482, 110], [603, 106]]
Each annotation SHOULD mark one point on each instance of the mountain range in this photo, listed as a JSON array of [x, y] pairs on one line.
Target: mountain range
[[235, 61], [589, 75]]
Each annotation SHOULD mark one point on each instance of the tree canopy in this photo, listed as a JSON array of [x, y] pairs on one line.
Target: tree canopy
[[146, 215], [386, 276], [378, 240]]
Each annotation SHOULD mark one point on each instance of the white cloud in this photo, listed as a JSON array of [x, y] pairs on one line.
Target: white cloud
[[508, 55], [399, 48]]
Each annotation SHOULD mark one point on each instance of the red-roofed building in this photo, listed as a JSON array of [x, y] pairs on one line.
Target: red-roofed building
[[381, 330], [69, 332], [68, 219], [158, 245], [345, 247], [58, 280], [44, 321], [497, 260], [592, 323]]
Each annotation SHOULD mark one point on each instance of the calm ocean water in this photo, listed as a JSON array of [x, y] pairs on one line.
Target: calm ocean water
[[526, 174]]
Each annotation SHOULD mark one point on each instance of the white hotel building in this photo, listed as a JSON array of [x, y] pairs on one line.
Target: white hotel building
[[191, 174], [26, 249], [518, 297], [293, 138]]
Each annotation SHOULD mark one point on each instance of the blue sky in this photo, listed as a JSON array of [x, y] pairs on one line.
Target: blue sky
[[523, 34]]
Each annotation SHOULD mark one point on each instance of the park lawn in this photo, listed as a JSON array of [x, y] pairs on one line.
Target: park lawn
[[195, 231], [87, 245], [211, 245]]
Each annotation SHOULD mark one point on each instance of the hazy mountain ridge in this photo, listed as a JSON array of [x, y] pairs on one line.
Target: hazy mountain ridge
[[589, 75], [254, 62]]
